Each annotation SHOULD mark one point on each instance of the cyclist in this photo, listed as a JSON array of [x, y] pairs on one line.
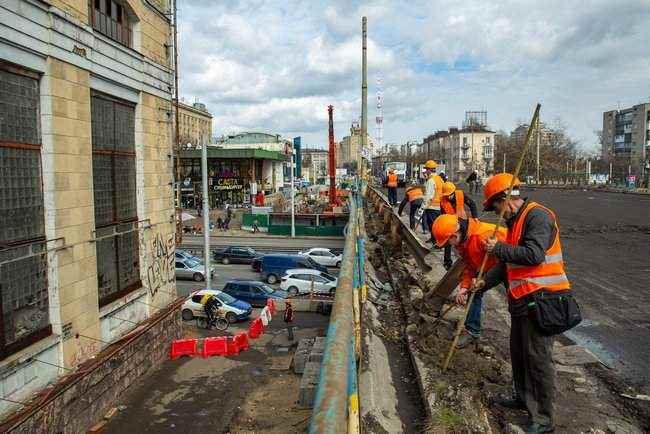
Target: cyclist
[[211, 305]]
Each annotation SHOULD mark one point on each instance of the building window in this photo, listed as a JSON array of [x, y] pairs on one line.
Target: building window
[[487, 152], [24, 316], [113, 142], [110, 18]]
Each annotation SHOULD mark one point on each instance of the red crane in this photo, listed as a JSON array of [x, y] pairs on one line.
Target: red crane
[[332, 158]]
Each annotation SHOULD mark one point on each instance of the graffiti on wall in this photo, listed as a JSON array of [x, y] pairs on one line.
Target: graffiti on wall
[[160, 262], [85, 350]]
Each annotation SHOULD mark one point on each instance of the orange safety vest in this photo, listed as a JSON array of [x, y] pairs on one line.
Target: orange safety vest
[[472, 250], [435, 200], [392, 180], [414, 193], [448, 207], [550, 275]]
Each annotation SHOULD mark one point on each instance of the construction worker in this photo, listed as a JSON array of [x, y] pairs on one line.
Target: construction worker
[[531, 264], [412, 195], [452, 201], [432, 193], [468, 237], [391, 184]]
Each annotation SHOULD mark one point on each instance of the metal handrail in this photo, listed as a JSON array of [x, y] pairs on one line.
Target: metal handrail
[[336, 406]]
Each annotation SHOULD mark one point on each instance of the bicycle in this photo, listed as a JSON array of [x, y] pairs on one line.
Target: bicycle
[[218, 322]]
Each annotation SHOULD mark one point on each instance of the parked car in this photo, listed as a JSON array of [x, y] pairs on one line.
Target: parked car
[[184, 255], [298, 281], [324, 256], [275, 266], [253, 292], [191, 269], [236, 255], [236, 310]]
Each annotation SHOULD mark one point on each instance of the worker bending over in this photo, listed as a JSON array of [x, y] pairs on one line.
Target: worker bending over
[[453, 201], [468, 236], [432, 194], [391, 184], [531, 264], [413, 195]]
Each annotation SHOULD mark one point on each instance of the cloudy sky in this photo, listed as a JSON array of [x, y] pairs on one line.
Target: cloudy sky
[[275, 65]]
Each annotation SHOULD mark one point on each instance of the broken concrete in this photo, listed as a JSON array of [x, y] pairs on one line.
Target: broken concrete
[[301, 355], [308, 385]]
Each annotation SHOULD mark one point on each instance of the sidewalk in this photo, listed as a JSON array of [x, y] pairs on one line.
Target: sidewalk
[[252, 392]]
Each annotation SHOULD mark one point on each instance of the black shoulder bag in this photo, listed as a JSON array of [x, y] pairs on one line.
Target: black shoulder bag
[[555, 311]]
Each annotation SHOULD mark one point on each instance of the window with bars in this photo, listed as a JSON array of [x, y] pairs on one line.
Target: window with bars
[[114, 186], [23, 260], [110, 18]]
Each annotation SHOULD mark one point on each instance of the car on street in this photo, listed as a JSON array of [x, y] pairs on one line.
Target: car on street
[[298, 281], [191, 269], [235, 255], [324, 256], [254, 292], [236, 310], [183, 255], [275, 266]]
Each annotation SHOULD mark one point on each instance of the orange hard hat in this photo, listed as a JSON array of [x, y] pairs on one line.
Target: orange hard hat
[[430, 164], [497, 184], [444, 227], [448, 188]]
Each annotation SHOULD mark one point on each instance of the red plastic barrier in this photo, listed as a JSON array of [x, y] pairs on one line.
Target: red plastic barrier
[[214, 347], [183, 347], [271, 304], [232, 349], [256, 328], [241, 340]]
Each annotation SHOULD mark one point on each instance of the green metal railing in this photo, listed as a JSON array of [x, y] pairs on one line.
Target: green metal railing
[[337, 400]]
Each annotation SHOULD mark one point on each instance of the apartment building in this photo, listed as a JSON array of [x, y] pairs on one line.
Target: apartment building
[[194, 124], [86, 206], [462, 151], [626, 135], [350, 147]]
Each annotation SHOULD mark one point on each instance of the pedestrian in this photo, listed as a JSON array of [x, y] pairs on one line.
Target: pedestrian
[[531, 266], [432, 193], [453, 201], [471, 181], [288, 318], [256, 228], [468, 237], [477, 184], [413, 195], [391, 184], [219, 223]]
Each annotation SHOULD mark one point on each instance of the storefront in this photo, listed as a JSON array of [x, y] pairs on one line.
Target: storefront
[[233, 175]]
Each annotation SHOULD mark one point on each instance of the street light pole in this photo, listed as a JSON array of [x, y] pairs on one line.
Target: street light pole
[[206, 213], [538, 143], [364, 96], [293, 197]]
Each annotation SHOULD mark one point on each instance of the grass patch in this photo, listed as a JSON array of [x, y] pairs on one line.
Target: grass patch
[[449, 418]]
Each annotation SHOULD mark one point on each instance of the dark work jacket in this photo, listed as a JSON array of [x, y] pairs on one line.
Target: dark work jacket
[[536, 238]]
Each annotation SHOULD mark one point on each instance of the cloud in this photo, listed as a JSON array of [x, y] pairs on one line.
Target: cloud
[[276, 66]]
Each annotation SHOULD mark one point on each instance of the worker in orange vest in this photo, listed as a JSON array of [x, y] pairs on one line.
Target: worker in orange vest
[[413, 195], [453, 201], [432, 194], [532, 266], [391, 184], [468, 237]]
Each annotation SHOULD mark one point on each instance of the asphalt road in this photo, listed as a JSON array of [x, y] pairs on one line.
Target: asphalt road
[[606, 246], [266, 242]]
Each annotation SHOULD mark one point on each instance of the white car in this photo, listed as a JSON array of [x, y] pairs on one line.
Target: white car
[[298, 281], [235, 310], [324, 257]]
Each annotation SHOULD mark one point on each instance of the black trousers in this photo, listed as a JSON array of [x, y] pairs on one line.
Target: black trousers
[[532, 368], [392, 196], [430, 215], [414, 207]]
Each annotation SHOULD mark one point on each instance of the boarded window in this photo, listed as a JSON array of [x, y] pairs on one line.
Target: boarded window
[[114, 187], [23, 262]]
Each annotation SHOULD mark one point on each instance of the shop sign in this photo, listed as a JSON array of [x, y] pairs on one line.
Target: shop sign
[[221, 184]]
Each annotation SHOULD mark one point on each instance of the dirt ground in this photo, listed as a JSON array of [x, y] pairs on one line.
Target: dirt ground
[[253, 392], [587, 396]]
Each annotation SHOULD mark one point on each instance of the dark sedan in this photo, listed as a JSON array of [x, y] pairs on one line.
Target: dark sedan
[[235, 255]]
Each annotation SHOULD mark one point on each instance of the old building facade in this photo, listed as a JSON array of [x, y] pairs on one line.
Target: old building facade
[[194, 124], [462, 151], [350, 148], [87, 219]]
